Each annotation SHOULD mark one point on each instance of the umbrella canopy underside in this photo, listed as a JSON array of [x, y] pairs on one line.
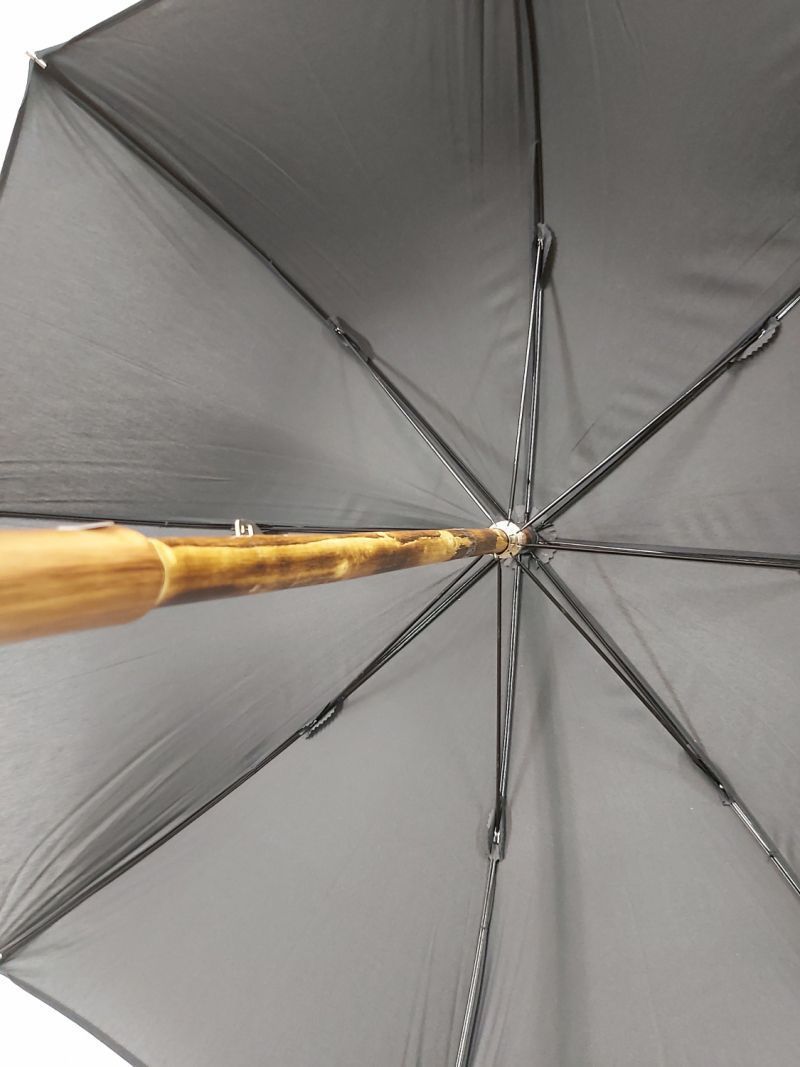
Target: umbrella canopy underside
[[349, 265]]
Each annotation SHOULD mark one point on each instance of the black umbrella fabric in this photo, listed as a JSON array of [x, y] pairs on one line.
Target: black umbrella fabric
[[357, 265]]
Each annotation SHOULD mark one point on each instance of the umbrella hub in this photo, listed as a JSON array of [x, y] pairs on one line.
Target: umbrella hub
[[517, 538]]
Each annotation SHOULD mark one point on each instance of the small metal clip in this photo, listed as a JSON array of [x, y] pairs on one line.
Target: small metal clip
[[39, 62], [241, 528], [104, 524], [765, 335]]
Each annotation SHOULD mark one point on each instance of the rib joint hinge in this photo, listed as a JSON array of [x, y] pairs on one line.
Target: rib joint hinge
[[766, 334], [323, 718], [347, 341], [496, 835], [544, 242], [725, 794]]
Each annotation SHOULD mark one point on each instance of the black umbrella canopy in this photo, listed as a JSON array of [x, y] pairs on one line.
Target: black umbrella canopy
[[367, 264]]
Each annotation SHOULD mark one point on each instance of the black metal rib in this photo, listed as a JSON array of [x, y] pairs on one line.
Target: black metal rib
[[498, 734], [497, 830], [529, 406], [510, 694], [538, 169], [110, 120], [603, 644], [146, 152], [590, 629], [262, 527], [21, 939], [526, 374], [764, 328], [533, 344], [475, 989], [424, 619], [39, 516], [533, 418], [497, 844], [463, 474], [475, 489], [697, 555], [448, 596]]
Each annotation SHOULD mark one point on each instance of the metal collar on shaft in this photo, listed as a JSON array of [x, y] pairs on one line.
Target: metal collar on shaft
[[517, 538]]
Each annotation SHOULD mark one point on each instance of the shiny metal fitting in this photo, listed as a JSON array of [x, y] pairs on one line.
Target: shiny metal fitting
[[517, 538]]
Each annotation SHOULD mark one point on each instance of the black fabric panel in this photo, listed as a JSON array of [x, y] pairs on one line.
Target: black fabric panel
[[380, 153], [156, 368]]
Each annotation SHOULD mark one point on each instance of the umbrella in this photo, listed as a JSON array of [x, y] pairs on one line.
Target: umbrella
[[431, 266]]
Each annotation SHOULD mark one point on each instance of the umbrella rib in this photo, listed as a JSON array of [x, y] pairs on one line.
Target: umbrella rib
[[107, 118], [527, 373], [448, 596], [193, 524], [524, 391], [498, 822], [498, 776], [495, 855], [467, 1034], [533, 422], [744, 558], [591, 630], [26, 935], [468, 481], [60, 516], [530, 374], [754, 339], [508, 718], [498, 825]]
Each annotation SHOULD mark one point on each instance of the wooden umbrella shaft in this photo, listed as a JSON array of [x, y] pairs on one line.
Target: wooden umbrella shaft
[[52, 581]]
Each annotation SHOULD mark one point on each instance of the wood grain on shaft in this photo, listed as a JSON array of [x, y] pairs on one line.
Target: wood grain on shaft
[[200, 568], [52, 581], [57, 580]]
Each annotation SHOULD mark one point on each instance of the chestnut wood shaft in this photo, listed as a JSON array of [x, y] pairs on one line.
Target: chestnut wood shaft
[[52, 581]]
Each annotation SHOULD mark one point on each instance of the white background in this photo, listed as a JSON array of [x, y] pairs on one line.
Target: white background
[[31, 1034]]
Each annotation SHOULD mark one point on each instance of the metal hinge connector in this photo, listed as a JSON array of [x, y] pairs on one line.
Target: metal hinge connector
[[766, 334]]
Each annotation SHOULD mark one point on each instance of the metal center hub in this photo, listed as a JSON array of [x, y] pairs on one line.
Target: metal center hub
[[517, 537]]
